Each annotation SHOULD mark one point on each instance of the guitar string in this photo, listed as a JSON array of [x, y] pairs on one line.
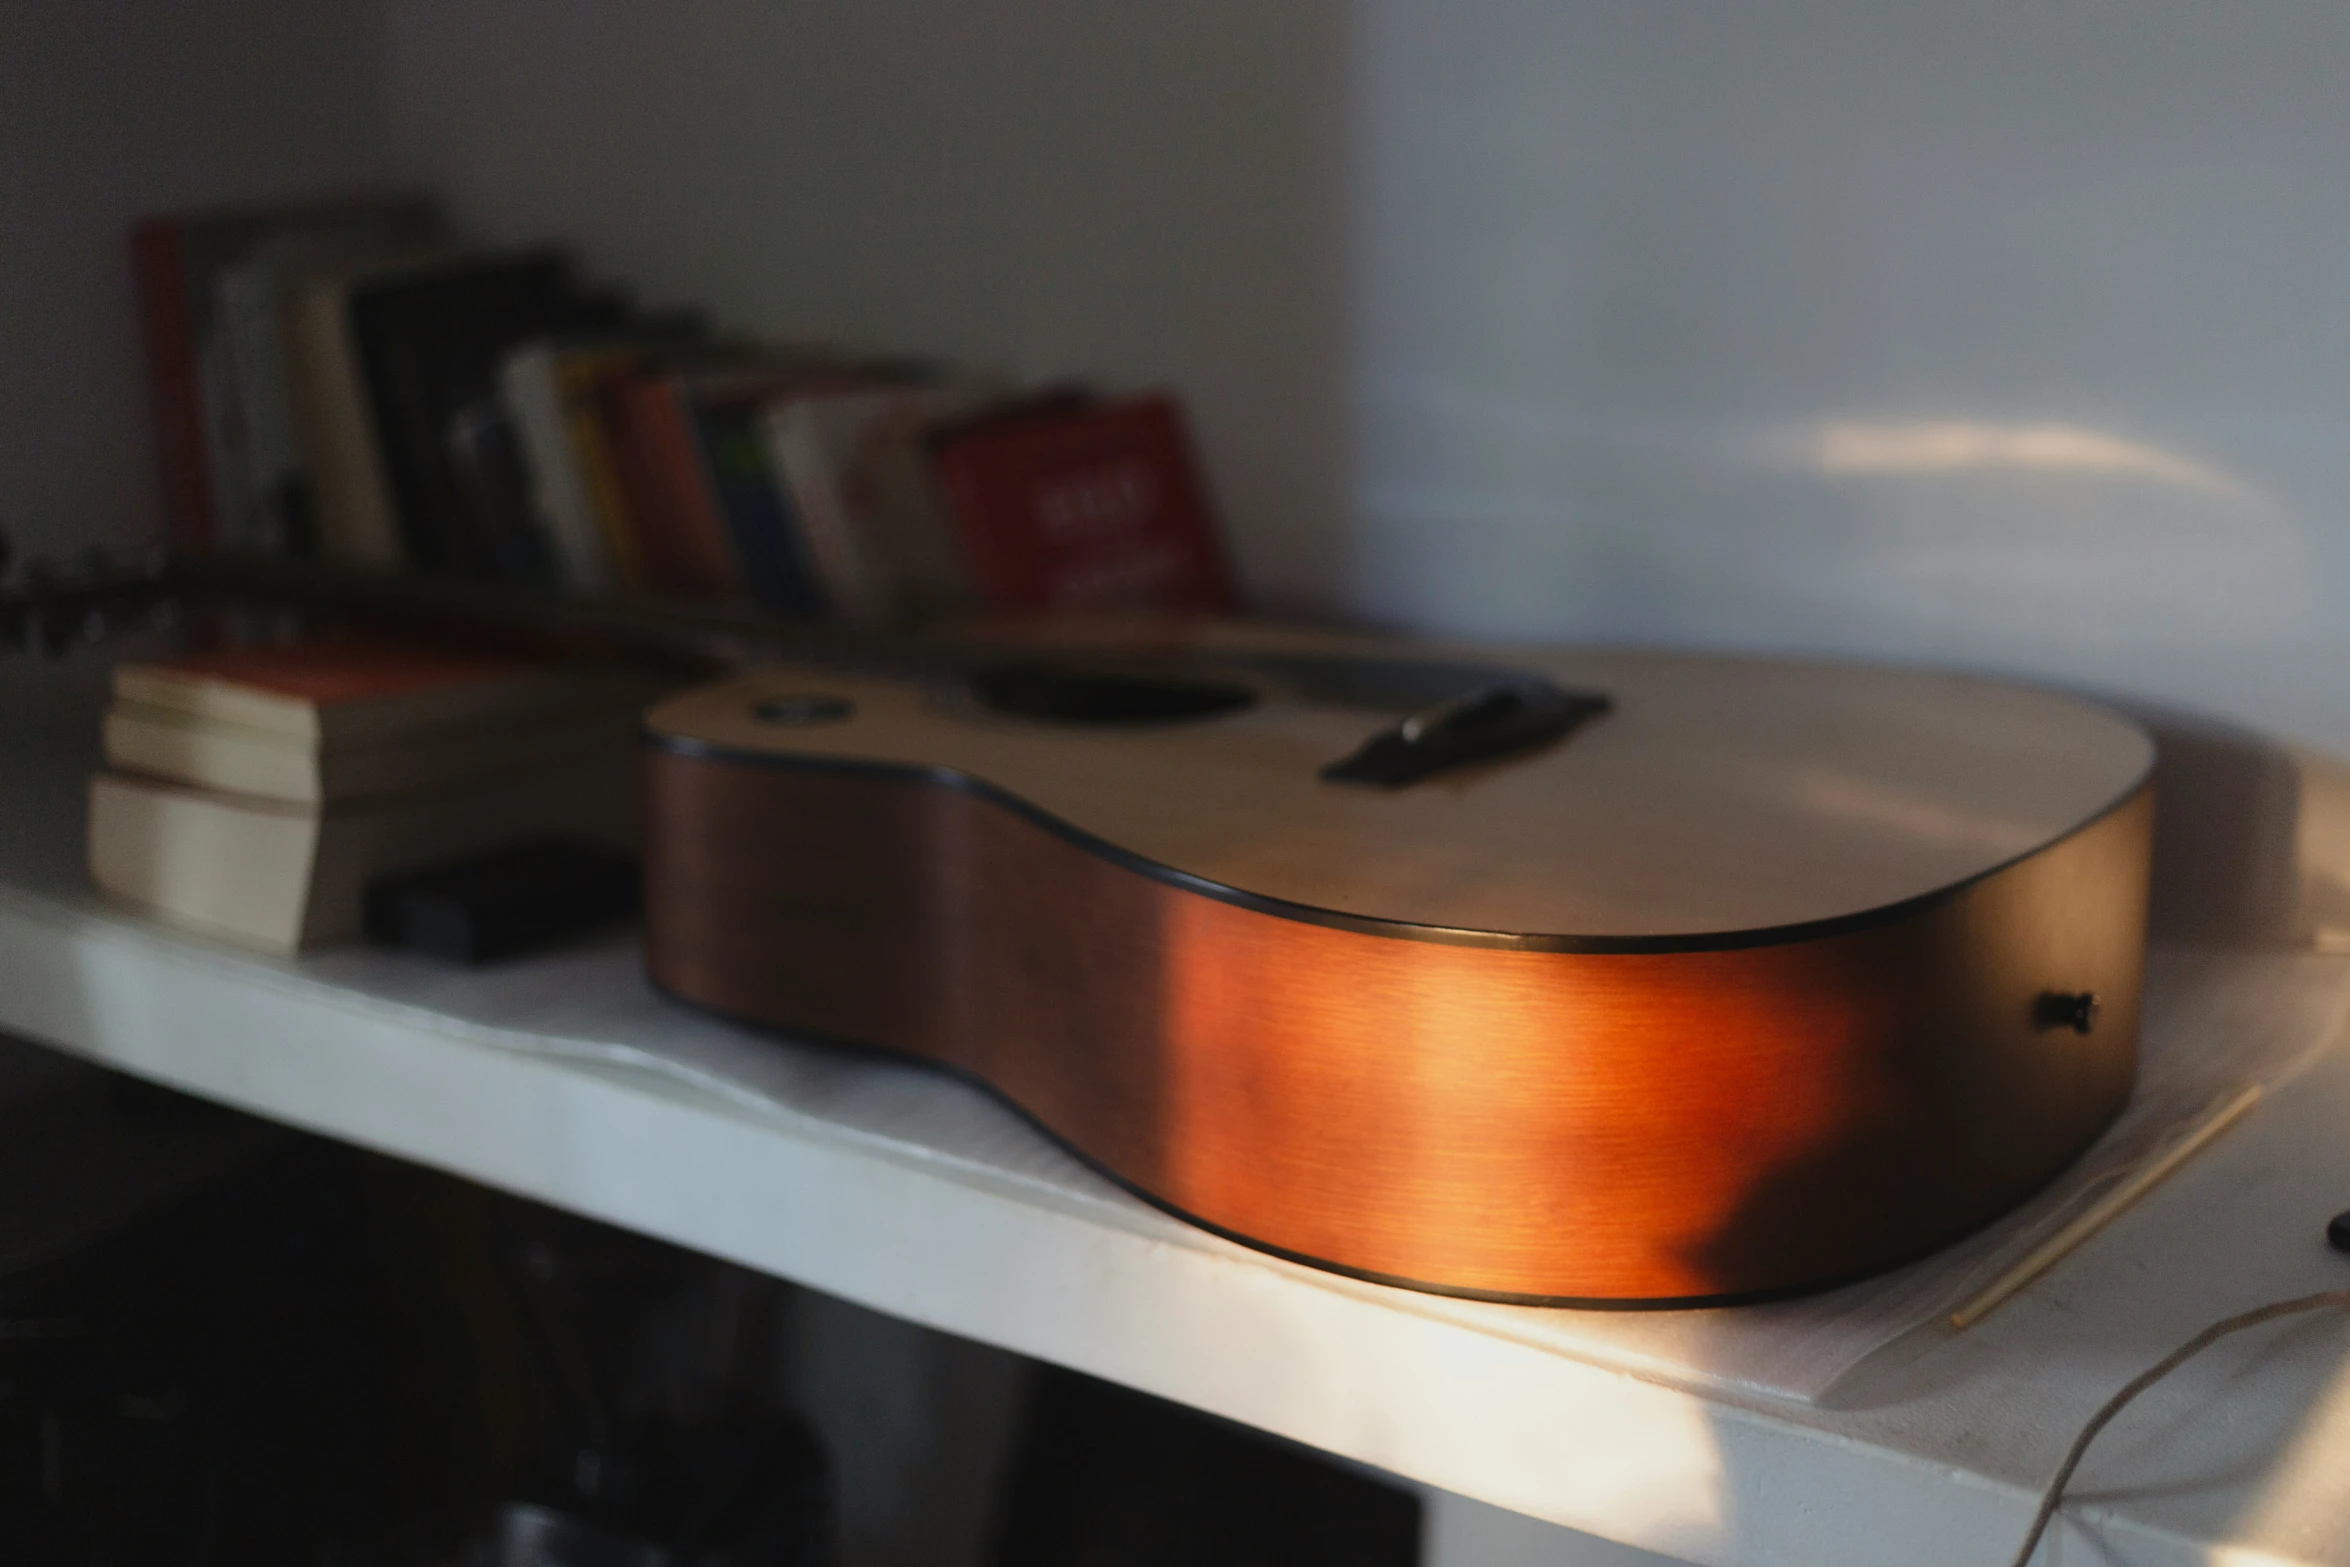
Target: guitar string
[[2171, 1362]]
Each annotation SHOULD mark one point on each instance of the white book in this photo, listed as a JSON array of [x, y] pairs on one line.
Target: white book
[[357, 525], [530, 384], [333, 694], [284, 877], [351, 489]]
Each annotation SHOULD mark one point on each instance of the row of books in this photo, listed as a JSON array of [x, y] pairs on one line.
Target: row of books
[[347, 380]]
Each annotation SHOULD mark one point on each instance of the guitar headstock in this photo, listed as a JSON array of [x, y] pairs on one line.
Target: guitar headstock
[[50, 607]]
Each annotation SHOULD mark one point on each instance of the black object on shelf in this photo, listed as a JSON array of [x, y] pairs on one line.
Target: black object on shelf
[[502, 902]]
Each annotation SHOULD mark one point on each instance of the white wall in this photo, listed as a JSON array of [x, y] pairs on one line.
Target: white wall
[[2002, 333], [1999, 333], [110, 109]]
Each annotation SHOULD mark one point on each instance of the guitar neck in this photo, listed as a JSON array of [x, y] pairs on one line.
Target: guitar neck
[[50, 612], [1131, 675]]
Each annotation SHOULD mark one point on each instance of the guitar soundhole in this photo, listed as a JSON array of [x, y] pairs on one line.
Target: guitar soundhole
[[1076, 695]]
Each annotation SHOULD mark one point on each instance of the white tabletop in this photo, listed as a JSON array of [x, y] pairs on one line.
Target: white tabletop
[[565, 1079]]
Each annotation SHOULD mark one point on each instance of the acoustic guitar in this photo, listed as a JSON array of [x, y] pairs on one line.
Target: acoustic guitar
[[1597, 977]]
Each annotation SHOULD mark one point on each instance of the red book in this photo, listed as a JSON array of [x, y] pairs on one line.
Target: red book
[[327, 690], [1099, 506], [674, 518]]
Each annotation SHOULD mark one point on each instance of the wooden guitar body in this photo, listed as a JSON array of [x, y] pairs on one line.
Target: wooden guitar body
[[1774, 975]]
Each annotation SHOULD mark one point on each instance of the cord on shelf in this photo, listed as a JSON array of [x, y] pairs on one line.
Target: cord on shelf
[[2146, 1379]]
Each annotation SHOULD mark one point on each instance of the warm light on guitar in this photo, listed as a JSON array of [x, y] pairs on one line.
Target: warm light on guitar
[[1617, 1004]]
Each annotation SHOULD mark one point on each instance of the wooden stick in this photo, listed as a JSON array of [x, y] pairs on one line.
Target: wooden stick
[[2100, 1213]]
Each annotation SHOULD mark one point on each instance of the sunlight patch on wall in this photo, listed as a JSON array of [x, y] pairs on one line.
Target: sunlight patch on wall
[[1934, 447]]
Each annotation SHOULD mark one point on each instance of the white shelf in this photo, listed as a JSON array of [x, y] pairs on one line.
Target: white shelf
[[567, 1080]]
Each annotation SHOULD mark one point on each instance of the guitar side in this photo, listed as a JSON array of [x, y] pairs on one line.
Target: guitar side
[[1716, 1117]]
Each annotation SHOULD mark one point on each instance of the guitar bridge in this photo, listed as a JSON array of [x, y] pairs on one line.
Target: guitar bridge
[[1497, 720]]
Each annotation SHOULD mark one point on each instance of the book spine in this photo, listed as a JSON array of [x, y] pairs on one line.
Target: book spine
[[1210, 583], [633, 405], [228, 444], [890, 493], [648, 532], [1005, 571], [249, 321], [485, 462], [408, 440], [599, 468], [853, 579], [158, 265], [701, 559], [529, 383], [768, 540], [355, 523]]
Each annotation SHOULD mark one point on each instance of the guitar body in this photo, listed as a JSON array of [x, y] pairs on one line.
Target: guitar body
[[1773, 975]]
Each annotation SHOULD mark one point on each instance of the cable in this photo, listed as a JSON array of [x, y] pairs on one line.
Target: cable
[[2146, 1379]]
